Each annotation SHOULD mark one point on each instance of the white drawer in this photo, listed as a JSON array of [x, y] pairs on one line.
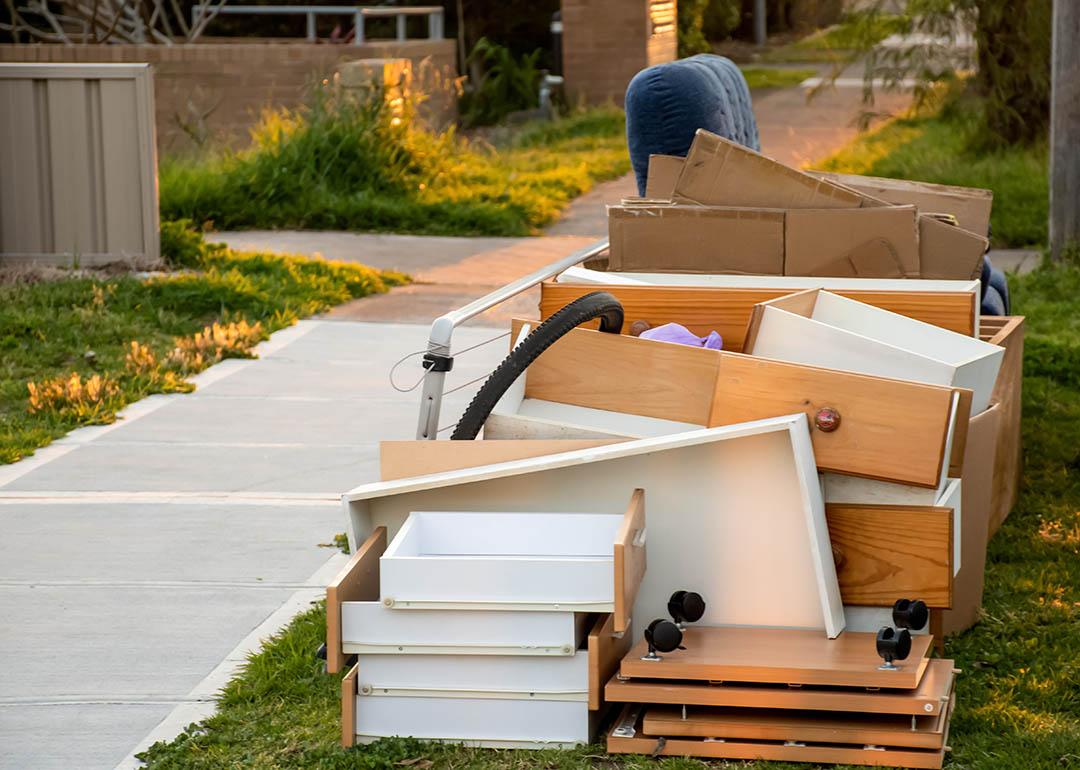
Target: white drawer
[[372, 628], [548, 677], [498, 722], [587, 562]]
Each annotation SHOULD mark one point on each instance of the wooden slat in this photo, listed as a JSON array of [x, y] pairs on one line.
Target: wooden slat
[[889, 429], [960, 431], [625, 374], [605, 649], [896, 731], [727, 310], [1008, 391], [357, 581], [830, 754], [348, 708], [401, 459], [629, 560], [779, 656], [928, 698], [889, 552]]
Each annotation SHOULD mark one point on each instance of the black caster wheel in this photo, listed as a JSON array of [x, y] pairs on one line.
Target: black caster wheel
[[893, 645], [910, 613], [686, 607], [662, 636]]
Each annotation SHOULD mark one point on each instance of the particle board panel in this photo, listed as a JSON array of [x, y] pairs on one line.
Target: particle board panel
[[888, 552], [630, 560], [727, 310], [348, 708], [926, 699], [896, 731], [357, 581], [401, 459], [628, 737], [1008, 332], [606, 649], [778, 656]]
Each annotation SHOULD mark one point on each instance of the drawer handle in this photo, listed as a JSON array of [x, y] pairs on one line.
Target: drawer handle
[[827, 419]]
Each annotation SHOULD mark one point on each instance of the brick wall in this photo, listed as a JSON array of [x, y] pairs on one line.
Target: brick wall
[[607, 42], [219, 88]]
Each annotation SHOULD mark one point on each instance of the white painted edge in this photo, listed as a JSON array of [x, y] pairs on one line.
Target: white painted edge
[[201, 701]]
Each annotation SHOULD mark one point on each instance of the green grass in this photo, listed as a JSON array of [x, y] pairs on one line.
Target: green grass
[[837, 42], [939, 148], [50, 329], [346, 165], [1019, 695], [775, 77]]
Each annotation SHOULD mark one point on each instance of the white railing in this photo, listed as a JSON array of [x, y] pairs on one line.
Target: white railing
[[360, 14]]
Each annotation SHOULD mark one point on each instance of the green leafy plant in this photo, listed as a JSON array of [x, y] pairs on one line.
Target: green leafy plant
[[692, 27], [721, 18], [506, 85]]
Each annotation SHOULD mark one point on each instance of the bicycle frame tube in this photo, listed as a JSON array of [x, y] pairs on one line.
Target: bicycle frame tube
[[442, 331]]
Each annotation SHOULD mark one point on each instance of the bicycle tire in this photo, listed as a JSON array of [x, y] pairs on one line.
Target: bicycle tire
[[585, 308]]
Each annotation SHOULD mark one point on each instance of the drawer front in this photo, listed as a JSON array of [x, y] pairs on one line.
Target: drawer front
[[371, 628], [486, 721], [550, 677]]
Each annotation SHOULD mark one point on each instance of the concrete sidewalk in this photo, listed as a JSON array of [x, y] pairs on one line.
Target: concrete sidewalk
[[141, 561]]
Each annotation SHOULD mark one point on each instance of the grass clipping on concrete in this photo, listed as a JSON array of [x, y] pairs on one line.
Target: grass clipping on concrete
[[345, 163], [1018, 696], [76, 350]]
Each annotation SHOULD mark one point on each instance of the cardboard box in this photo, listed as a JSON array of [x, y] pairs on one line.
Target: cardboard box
[[949, 252], [695, 239], [846, 243], [970, 205], [857, 243], [976, 498], [664, 170], [718, 172]]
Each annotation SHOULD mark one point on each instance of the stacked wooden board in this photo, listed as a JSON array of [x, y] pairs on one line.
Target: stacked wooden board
[[774, 694]]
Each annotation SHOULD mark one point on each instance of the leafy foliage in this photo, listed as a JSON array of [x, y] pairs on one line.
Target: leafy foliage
[[75, 351], [347, 164], [692, 28], [721, 19], [507, 84]]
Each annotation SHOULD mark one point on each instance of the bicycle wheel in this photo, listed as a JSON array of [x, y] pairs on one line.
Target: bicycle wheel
[[585, 308]]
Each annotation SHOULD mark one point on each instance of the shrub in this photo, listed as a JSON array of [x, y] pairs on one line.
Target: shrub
[[692, 27], [507, 84], [722, 17]]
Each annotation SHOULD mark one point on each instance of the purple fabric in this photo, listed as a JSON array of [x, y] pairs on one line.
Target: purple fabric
[[680, 335]]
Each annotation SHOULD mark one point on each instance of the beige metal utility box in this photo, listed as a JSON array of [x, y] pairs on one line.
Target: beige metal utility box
[[78, 184]]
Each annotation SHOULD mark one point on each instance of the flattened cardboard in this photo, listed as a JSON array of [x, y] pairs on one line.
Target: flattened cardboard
[[664, 170], [970, 205], [696, 239], [977, 494], [718, 172], [877, 242], [949, 252]]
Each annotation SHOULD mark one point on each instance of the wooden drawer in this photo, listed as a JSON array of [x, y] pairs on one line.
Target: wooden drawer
[[621, 385], [819, 328], [723, 303], [585, 562]]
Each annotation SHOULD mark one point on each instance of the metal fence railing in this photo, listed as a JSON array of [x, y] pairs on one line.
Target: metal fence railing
[[360, 14]]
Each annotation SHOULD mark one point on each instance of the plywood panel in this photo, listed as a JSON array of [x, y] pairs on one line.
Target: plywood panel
[[779, 656], [357, 581], [606, 649], [727, 310], [889, 429], [925, 732], [640, 743], [1008, 391], [927, 699], [889, 552], [625, 374], [401, 459], [629, 560]]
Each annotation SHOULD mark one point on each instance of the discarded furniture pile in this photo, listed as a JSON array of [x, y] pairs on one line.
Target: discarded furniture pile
[[742, 537]]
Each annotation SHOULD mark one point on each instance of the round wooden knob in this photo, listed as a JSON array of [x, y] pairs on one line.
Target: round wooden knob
[[827, 419], [637, 327]]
